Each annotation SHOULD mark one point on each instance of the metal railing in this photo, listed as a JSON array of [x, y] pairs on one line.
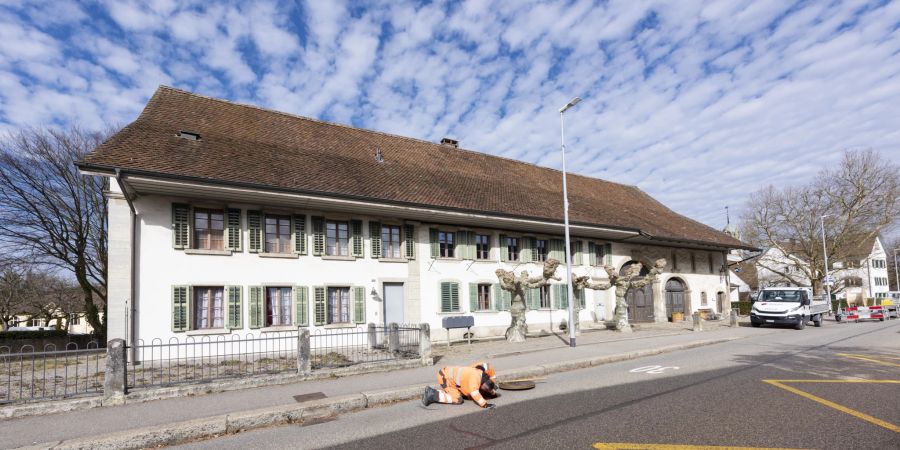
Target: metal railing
[[51, 374], [334, 348]]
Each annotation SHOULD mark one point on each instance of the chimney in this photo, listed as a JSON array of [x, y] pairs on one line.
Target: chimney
[[450, 142]]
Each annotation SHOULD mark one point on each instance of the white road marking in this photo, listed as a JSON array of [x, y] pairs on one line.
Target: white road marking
[[653, 369]]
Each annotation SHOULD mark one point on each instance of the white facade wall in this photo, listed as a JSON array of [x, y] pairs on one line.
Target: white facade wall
[[160, 266]]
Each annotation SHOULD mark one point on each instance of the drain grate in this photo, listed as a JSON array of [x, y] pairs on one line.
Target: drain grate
[[308, 397]]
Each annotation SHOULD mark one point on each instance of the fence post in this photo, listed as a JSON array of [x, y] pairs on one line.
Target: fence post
[[698, 322], [116, 363], [304, 365], [425, 344], [734, 318], [394, 338], [373, 337]]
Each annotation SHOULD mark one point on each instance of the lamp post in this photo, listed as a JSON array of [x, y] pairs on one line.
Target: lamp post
[[827, 277], [570, 288], [896, 278]]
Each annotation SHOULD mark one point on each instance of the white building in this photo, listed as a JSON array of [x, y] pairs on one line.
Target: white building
[[864, 274], [250, 221]]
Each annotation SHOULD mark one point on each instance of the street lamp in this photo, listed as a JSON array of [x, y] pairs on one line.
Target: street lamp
[[825, 252], [571, 290], [896, 278]]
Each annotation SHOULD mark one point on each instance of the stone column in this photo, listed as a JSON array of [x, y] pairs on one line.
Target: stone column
[[120, 242], [734, 318], [114, 382], [425, 344], [698, 322], [304, 364], [373, 336], [394, 338], [659, 302]]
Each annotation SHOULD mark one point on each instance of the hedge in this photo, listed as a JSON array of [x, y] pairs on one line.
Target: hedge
[[33, 334], [743, 307]]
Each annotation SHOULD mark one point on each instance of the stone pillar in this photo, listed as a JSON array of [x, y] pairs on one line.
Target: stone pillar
[[734, 318], [114, 382], [659, 301], [394, 338], [425, 344], [698, 322], [373, 336], [120, 242], [304, 364]]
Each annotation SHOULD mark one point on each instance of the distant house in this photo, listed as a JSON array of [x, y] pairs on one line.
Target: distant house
[[229, 219]]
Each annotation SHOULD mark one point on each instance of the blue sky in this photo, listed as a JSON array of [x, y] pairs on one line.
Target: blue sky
[[697, 103]]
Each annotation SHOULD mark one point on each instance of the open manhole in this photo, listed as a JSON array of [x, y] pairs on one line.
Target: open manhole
[[308, 397], [516, 385]]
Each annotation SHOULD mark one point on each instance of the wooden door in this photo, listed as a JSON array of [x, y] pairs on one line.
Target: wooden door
[[674, 296], [640, 301]]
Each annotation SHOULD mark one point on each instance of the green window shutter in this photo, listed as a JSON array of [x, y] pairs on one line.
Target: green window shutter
[[318, 229], [257, 307], [557, 249], [359, 304], [410, 234], [504, 250], [254, 226], [473, 297], [356, 238], [526, 253], [576, 246], [579, 295], [561, 292], [592, 253], [462, 245], [181, 226], [233, 229], [449, 296], [497, 299], [301, 306], [435, 248], [299, 233], [235, 307], [319, 305], [180, 308], [533, 298], [608, 253], [375, 238]]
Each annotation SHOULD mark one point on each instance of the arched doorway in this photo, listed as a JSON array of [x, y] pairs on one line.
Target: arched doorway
[[724, 304], [640, 301], [674, 296]]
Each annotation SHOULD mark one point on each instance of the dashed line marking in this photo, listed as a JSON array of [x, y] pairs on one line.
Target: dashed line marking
[[830, 404]]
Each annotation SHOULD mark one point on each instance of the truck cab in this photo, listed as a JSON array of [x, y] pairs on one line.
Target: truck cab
[[794, 306]]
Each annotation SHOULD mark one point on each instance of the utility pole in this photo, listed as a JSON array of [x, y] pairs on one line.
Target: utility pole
[[571, 290]]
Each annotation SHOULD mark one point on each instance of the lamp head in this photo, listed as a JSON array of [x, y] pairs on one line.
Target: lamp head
[[571, 103]]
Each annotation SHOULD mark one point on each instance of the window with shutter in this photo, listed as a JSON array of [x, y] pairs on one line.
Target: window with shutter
[[502, 298], [356, 237], [391, 245], [504, 252], [180, 308], [299, 234], [319, 307], [576, 252], [473, 297], [301, 306], [254, 228], [607, 251], [410, 244], [513, 248], [435, 245], [540, 250], [257, 310], [482, 246], [359, 304], [592, 254], [235, 307], [525, 254], [558, 249], [533, 298], [375, 238], [318, 229], [561, 293], [449, 295], [181, 226], [233, 231]]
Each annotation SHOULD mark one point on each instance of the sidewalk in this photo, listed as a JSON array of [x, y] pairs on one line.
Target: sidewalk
[[507, 357]]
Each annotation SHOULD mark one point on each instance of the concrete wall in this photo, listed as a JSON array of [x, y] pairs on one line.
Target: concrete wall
[[160, 266]]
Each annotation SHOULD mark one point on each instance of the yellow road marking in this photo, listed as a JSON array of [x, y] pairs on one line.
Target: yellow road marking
[[870, 359], [636, 446], [830, 404]]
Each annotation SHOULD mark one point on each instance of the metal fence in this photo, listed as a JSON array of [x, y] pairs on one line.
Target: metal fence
[[208, 358], [50, 374], [348, 346]]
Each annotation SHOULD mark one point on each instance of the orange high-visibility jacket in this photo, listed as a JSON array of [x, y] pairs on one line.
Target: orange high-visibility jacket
[[467, 380], [487, 368]]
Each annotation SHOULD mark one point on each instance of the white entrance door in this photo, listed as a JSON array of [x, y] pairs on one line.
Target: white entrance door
[[393, 303]]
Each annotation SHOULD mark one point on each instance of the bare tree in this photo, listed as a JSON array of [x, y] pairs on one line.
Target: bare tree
[[52, 298], [51, 213], [889, 247], [13, 292], [860, 199]]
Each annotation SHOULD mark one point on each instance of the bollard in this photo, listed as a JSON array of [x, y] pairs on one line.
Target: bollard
[[425, 344], [373, 337], [394, 338], [304, 365], [734, 318], [116, 363], [698, 322]]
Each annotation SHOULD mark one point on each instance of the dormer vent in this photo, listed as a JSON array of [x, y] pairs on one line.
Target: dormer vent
[[451, 142], [188, 135], [379, 157]]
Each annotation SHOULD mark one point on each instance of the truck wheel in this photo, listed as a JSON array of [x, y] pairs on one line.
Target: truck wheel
[[801, 324], [755, 325], [817, 320]]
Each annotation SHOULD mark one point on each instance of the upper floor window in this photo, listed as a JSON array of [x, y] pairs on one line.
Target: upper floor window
[[337, 238], [447, 242], [484, 297], [209, 310], [512, 248], [703, 299], [339, 305], [482, 246], [599, 254], [209, 229], [278, 234], [278, 306], [390, 241], [540, 250]]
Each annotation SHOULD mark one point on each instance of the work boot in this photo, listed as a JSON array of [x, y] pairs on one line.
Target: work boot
[[430, 396]]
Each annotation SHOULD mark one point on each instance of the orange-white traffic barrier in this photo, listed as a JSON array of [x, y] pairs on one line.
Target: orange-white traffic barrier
[[858, 313]]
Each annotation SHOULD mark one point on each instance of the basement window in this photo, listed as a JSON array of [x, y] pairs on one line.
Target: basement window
[[188, 135]]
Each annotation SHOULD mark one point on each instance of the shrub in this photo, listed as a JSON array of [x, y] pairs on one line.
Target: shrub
[[743, 307], [35, 334]]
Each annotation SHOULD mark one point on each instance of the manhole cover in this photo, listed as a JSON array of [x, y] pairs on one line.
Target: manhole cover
[[516, 385]]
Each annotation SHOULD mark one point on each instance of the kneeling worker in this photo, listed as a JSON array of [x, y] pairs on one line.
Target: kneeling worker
[[475, 382]]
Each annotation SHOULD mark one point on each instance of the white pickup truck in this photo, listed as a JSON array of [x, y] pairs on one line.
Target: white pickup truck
[[788, 306]]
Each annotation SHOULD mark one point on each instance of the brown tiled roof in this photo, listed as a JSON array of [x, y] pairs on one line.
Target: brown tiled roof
[[248, 145]]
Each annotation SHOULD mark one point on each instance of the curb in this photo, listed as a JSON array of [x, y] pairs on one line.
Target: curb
[[215, 426]]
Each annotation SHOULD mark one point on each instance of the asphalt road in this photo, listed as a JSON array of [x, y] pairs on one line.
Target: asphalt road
[[709, 396]]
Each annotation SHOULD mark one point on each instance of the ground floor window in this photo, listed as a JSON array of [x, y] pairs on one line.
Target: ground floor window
[[208, 307], [484, 297], [278, 306], [75, 319], [339, 305], [545, 296]]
